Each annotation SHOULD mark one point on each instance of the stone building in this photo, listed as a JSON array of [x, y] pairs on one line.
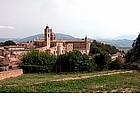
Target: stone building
[[57, 47], [11, 54]]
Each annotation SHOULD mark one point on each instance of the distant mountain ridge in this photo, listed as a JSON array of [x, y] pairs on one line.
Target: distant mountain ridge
[[31, 38], [59, 36], [128, 37], [5, 39], [119, 41]]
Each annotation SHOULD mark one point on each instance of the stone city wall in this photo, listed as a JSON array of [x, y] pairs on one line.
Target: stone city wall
[[10, 73]]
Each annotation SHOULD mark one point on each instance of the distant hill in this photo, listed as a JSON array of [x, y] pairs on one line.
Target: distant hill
[[31, 38], [119, 43], [65, 37], [123, 43], [128, 37], [38, 36], [5, 39], [58, 37]]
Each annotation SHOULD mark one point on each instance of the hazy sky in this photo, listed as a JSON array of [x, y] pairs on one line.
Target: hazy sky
[[103, 18]]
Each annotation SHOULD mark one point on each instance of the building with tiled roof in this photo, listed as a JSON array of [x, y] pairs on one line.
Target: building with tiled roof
[[58, 47]]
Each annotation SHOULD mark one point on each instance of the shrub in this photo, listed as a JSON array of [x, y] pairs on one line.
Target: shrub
[[115, 65], [1, 65], [74, 61], [34, 61], [9, 42], [102, 60]]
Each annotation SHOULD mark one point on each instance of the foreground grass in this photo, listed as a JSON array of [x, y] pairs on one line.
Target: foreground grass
[[127, 82]]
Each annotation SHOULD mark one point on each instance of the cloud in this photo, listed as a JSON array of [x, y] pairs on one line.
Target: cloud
[[6, 27]]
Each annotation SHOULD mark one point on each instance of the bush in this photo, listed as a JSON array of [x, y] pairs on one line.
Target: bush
[[1, 69], [116, 65], [34, 61], [9, 42], [1, 65], [74, 61], [102, 60]]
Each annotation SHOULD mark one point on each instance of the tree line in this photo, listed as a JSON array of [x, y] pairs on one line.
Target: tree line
[[133, 56], [98, 59], [73, 61], [7, 43]]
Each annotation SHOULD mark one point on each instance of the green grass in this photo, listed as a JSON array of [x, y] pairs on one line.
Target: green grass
[[128, 82]]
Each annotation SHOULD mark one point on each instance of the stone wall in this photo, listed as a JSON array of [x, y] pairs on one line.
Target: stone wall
[[10, 73]]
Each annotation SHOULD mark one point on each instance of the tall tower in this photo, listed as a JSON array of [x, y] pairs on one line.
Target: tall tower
[[87, 45], [47, 36]]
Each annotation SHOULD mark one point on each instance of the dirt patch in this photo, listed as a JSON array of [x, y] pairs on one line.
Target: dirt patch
[[98, 86], [85, 77], [14, 85], [123, 90]]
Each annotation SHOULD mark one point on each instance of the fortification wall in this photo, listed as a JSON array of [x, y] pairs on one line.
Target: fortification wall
[[11, 73]]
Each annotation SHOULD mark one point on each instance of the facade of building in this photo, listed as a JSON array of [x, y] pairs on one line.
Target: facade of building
[[57, 47]]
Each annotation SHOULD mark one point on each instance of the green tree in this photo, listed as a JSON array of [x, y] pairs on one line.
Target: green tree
[[9, 42], [116, 64], [1, 44], [97, 47], [1, 64], [134, 54], [102, 60], [74, 61], [34, 61]]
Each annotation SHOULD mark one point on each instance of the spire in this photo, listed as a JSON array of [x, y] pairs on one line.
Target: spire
[[47, 26], [85, 37]]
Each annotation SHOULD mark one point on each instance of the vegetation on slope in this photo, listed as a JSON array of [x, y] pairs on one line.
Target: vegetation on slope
[[134, 54], [97, 47], [126, 82]]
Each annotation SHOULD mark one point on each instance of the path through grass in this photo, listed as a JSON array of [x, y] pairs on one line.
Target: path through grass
[[124, 82]]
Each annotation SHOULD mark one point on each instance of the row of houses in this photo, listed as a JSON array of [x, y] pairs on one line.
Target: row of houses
[[10, 55]]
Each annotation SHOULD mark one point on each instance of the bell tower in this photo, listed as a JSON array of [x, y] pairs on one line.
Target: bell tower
[[87, 45], [47, 36]]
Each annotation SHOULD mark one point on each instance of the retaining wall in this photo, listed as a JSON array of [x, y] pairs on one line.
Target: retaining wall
[[10, 73]]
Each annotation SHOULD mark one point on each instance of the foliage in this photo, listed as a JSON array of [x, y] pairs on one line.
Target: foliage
[[1, 44], [116, 65], [102, 60], [134, 54], [37, 62], [1, 64], [74, 61], [97, 47], [9, 42]]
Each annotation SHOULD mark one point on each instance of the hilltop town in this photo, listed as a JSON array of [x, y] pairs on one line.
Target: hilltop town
[[12, 54]]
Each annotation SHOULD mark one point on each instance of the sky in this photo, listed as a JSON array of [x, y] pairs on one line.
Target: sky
[[94, 18]]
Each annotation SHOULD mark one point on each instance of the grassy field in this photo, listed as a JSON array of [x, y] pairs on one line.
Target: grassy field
[[55, 83]]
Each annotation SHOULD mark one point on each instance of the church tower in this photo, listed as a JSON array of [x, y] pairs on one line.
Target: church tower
[[47, 36], [87, 45]]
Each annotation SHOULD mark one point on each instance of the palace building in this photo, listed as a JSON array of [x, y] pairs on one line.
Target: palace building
[[11, 54], [57, 47]]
